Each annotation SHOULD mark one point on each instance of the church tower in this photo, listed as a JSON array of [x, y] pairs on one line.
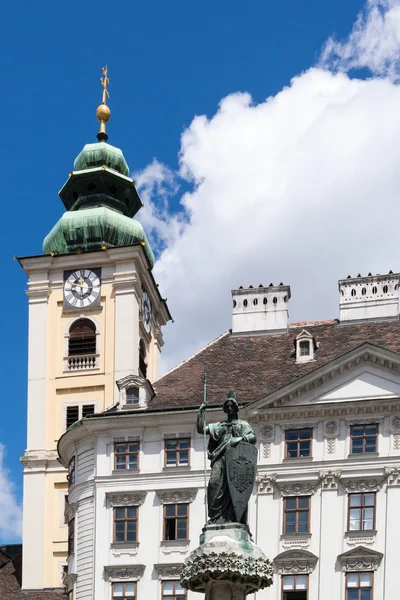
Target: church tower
[[95, 318]]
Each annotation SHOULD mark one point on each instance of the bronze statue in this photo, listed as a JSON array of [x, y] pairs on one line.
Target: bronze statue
[[233, 456]]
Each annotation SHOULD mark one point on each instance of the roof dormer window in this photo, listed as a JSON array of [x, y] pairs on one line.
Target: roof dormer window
[[132, 395], [305, 347]]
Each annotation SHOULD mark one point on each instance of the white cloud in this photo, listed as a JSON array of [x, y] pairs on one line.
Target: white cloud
[[10, 510], [374, 42], [303, 188]]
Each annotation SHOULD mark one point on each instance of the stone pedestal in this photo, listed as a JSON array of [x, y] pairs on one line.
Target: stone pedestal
[[227, 565]]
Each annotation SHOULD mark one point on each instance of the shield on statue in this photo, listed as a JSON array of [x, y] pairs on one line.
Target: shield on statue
[[241, 463]]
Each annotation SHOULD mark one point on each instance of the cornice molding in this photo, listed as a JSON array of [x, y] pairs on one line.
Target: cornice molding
[[360, 559], [308, 425], [116, 572], [177, 496], [363, 484], [126, 498], [365, 421], [130, 380], [169, 570], [293, 562]]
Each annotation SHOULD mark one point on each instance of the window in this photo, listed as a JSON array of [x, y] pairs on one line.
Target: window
[[296, 515], [71, 471], [172, 590], [126, 455], [176, 521], [124, 591], [125, 524], [177, 452], [76, 412], [305, 348], [132, 395], [298, 443], [82, 338], [142, 358], [364, 439], [359, 586], [71, 537], [361, 512], [294, 587]]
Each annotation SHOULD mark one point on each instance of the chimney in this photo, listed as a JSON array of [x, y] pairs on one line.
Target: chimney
[[375, 297], [260, 310]]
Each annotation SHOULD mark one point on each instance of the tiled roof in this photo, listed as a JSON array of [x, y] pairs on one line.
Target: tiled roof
[[256, 366]]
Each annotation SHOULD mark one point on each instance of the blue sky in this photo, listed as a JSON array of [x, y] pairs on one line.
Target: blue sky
[[170, 61]]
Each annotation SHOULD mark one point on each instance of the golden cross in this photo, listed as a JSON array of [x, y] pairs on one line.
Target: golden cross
[[104, 82]]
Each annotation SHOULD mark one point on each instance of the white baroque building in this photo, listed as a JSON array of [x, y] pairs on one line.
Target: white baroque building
[[324, 401], [113, 469]]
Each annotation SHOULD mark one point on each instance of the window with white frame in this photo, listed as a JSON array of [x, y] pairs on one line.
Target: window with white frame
[[132, 395], [294, 587], [305, 347]]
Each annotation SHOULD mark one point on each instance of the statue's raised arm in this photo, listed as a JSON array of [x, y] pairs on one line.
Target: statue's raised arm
[[233, 456]]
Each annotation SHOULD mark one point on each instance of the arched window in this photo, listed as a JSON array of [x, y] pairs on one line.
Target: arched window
[[82, 338], [142, 358]]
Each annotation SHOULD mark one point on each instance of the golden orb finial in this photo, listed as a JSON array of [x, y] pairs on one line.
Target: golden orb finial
[[103, 112]]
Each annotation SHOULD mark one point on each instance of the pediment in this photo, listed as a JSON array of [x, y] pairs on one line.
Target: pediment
[[360, 559], [368, 372], [292, 562]]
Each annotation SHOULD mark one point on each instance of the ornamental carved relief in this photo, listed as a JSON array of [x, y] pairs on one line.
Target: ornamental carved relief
[[171, 570], [124, 572], [265, 484], [330, 479], [393, 475], [360, 559], [176, 496], [127, 498], [395, 422], [366, 421], [331, 445], [287, 426], [396, 441], [331, 428], [293, 562], [363, 485], [297, 489], [267, 432], [266, 449]]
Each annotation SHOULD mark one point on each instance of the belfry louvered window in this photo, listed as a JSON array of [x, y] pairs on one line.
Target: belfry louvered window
[[82, 338]]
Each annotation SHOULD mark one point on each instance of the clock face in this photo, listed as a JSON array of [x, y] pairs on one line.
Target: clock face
[[146, 312], [82, 288]]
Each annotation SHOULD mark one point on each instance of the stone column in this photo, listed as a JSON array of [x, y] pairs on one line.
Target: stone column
[[227, 565]]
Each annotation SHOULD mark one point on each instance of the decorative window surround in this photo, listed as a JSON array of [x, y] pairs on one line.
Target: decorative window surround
[[265, 484], [393, 475], [125, 549], [330, 479], [372, 484], [146, 391], [287, 426], [292, 562], [366, 421], [295, 540], [301, 488], [360, 559], [306, 337], [177, 496], [169, 570], [356, 538], [175, 546], [118, 572], [126, 498]]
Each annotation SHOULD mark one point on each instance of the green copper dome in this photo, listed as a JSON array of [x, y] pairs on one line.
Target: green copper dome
[[99, 154], [89, 229]]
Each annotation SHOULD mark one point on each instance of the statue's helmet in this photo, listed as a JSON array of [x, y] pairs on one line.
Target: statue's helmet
[[231, 398]]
